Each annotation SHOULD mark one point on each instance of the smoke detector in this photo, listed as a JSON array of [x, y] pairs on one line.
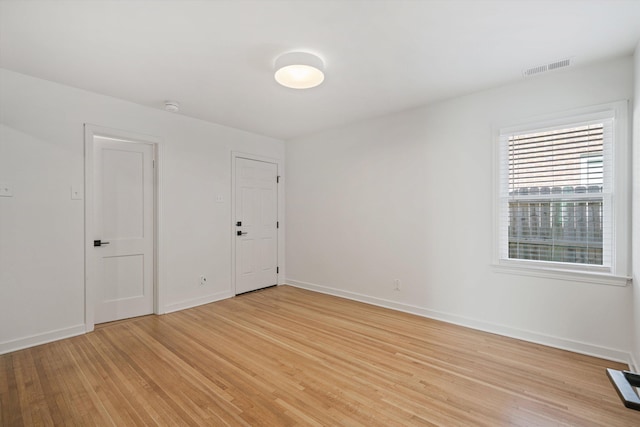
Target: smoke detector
[[171, 106], [547, 67]]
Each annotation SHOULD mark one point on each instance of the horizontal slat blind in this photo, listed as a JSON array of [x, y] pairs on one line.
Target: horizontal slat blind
[[555, 187], [565, 157]]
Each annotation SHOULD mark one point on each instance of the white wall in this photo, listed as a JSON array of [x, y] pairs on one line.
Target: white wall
[[635, 217], [42, 229], [409, 197]]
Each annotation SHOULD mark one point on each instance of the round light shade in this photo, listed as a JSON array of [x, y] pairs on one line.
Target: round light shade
[[299, 70]]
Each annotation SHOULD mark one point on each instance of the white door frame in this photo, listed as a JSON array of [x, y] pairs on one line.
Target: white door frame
[[89, 275], [280, 213]]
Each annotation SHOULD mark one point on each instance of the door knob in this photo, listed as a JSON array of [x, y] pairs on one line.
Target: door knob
[[99, 243]]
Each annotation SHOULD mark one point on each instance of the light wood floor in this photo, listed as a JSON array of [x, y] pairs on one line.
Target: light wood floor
[[285, 356]]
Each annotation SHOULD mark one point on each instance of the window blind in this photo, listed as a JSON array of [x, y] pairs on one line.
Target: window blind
[[556, 194]]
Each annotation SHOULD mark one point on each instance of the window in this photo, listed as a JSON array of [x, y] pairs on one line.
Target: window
[[562, 198], [591, 169]]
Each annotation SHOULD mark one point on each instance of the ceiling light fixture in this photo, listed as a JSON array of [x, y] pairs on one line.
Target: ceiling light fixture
[[299, 70], [171, 106]]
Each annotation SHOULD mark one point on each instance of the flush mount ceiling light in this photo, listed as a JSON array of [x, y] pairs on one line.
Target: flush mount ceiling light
[[171, 106], [299, 70]]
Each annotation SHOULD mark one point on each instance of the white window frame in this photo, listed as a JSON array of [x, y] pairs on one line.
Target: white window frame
[[617, 272]]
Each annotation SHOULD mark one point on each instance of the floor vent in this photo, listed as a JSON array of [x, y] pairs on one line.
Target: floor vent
[[624, 383], [546, 67]]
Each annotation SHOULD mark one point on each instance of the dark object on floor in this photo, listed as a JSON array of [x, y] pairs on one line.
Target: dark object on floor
[[624, 381]]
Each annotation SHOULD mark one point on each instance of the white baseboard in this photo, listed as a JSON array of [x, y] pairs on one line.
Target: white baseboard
[[194, 302], [534, 337], [47, 337], [43, 338], [561, 343], [633, 365]]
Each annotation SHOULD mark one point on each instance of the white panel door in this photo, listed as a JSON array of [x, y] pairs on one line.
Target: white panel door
[[123, 249], [256, 203]]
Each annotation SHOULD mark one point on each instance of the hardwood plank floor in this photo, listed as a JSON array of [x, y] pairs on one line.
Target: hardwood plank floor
[[286, 356]]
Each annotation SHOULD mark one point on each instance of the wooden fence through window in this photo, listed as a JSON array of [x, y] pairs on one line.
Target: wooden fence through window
[[556, 224]]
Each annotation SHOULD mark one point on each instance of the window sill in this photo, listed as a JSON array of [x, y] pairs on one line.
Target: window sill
[[571, 275]]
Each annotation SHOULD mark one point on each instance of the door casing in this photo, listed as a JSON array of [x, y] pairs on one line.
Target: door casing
[[90, 275], [280, 202]]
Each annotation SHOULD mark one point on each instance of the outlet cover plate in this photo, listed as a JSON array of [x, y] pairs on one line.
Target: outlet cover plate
[[5, 190]]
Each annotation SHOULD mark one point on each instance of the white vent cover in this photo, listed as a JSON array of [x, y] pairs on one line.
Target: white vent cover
[[547, 67]]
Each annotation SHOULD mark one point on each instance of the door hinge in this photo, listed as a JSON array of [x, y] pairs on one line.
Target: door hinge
[[153, 163], [277, 224], [277, 270], [278, 179]]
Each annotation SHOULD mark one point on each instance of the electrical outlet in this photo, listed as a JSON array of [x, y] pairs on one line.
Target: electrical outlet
[[203, 280], [5, 190], [396, 285]]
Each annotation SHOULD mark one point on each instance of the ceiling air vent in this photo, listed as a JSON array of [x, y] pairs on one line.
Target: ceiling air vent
[[546, 67]]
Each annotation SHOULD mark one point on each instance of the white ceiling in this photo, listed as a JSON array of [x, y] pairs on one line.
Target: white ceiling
[[216, 57]]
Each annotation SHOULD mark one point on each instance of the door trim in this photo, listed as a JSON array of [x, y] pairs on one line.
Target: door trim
[[280, 213], [89, 282]]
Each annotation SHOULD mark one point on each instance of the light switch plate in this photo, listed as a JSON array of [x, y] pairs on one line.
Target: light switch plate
[[5, 190], [76, 193]]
